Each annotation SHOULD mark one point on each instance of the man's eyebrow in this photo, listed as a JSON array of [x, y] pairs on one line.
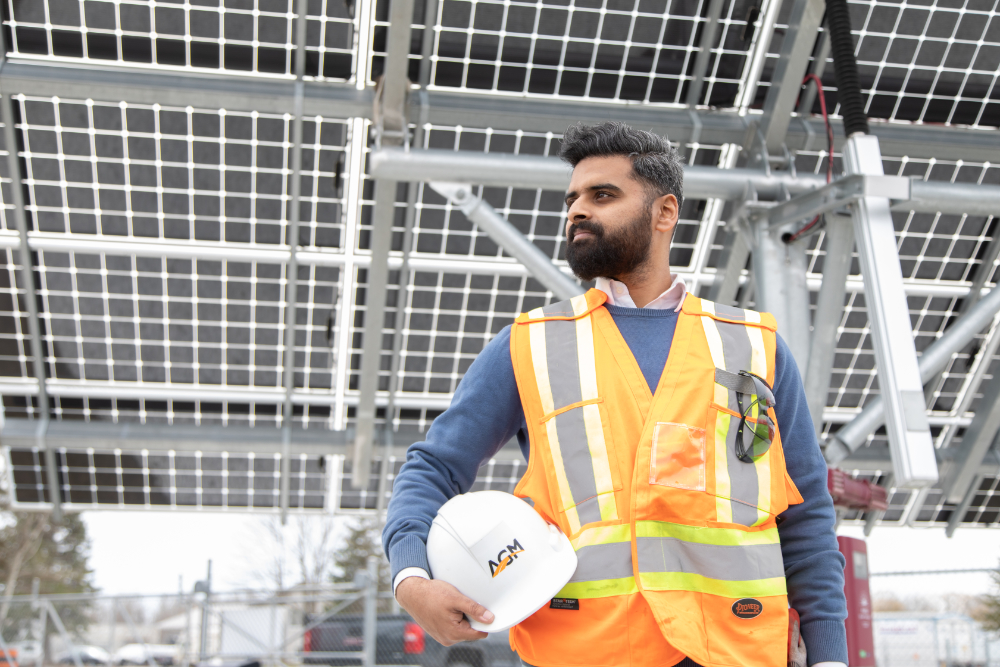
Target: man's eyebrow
[[592, 188]]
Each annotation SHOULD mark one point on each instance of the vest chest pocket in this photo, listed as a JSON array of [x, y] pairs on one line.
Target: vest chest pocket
[[583, 459], [678, 457]]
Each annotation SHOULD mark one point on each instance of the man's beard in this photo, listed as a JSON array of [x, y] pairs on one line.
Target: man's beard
[[610, 254]]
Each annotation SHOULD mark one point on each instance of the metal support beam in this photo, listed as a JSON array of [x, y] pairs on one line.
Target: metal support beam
[[292, 266], [735, 253], [978, 438], [982, 275], [115, 83], [429, 262], [829, 197], [914, 465], [808, 96], [700, 182], [512, 241], [210, 439], [392, 128], [779, 270], [27, 271], [874, 516], [789, 70], [704, 52], [383, 216], [932, 361], [958, 514], [829, 311]]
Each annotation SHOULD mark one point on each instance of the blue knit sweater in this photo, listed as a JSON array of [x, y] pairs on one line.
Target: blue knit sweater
[[486, 412]]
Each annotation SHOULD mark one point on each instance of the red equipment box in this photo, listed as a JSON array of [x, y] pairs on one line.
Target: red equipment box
[[860, 639], [855, 494]]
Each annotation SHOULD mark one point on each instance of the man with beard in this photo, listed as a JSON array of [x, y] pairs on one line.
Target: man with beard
[[694, 493]]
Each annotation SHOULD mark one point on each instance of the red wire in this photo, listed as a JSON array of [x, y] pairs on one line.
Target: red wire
[[829, 157]]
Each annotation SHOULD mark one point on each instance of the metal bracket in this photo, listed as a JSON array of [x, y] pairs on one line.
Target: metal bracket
[[755, 149], [835, 195], [695, 135], [390, 123]]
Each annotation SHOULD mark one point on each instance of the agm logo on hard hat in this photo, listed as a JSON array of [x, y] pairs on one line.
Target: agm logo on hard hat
[[506, 556]]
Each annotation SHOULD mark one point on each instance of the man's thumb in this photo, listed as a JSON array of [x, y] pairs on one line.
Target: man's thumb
[[475, 610]]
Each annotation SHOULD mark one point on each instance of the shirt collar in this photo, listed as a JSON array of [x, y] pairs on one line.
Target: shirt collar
[[672, 298]]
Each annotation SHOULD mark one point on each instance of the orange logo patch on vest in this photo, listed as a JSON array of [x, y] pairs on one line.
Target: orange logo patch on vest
[[505, 558], [747, 608]]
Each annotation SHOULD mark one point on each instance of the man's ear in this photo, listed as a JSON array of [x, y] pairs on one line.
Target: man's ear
[[666, 213]]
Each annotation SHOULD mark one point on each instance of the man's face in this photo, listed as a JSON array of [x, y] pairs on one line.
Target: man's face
[[609, 219]]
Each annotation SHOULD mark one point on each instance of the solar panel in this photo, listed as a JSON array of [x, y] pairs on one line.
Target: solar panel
[[159, 231], [239, 36], [219, 481]]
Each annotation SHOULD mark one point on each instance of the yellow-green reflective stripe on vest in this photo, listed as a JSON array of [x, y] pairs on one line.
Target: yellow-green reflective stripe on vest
[[684, 581], [604, 564], [717, 561]]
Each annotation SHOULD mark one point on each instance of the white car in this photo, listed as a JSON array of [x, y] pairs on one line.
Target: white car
[[142, 654], [29, 651], [89, 655]]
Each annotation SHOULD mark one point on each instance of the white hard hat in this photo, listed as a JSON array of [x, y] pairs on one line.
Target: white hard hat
[[495, 549]]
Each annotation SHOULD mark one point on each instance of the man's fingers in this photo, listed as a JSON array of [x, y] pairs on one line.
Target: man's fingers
[[474, 610]]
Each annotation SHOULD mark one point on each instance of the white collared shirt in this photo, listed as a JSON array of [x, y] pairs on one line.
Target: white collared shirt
[[618, 294]]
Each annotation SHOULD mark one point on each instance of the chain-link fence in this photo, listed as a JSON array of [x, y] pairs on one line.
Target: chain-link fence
[[341, 624], [935, 618], [931, 639]]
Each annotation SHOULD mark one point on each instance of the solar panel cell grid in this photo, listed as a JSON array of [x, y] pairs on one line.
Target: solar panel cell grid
[[170, 479], [174, 173], [639, 50], [237, 35], [924, 61]]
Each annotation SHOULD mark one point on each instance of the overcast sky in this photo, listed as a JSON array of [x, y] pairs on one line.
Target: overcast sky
[[146, 552]]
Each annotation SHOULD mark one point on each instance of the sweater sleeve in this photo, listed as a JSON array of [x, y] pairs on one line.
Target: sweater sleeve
[[484, 414], [814, 566]]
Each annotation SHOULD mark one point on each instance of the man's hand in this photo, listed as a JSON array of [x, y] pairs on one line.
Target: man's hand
[[440, 609], [796, 645]]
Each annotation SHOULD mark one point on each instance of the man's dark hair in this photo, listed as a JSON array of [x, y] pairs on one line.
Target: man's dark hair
[[654, 162]]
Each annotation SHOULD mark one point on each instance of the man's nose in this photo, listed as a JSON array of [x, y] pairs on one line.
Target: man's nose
[[577, 212]]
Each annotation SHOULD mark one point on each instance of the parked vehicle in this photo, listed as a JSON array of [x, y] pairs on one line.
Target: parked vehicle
[[400, 641], [89, 655], [29, 651], [141, 654]]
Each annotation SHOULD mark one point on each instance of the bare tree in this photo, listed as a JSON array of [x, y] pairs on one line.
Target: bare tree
[[298, 554]]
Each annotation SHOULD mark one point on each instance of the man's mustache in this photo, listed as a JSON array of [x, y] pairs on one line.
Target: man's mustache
[[595, 228]]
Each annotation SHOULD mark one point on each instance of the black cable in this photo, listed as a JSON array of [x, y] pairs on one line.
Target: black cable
[[852, 108]]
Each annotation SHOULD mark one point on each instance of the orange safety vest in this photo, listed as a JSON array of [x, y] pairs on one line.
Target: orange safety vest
[[676, 537]]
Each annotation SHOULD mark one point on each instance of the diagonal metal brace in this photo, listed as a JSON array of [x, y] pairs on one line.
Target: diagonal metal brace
[[830, 197]]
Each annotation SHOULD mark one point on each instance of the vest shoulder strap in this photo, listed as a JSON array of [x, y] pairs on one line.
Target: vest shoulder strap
[[571, 309], [717, 311]]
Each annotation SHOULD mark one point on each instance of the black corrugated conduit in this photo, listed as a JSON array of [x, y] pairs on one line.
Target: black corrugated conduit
[[852, 108]]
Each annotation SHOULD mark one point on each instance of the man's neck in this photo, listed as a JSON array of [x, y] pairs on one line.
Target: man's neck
[[644, 286]]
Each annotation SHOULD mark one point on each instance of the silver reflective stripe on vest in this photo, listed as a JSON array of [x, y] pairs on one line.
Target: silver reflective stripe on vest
[[742, 476], [731, 313], [559, 309], [721, 562], [565, 365], [564, 378], [563, 362], [598, 562]]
